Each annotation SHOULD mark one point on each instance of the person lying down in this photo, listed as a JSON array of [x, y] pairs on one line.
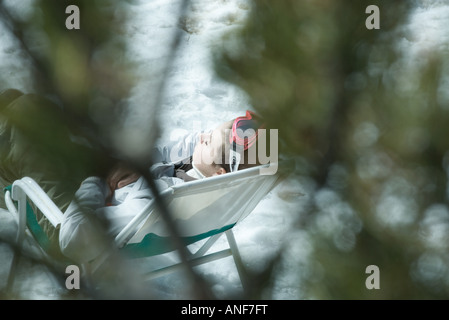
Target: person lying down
[[110, 204], [113, 199]]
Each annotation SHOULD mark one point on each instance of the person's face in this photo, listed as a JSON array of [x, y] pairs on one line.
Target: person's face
[[208, 152]]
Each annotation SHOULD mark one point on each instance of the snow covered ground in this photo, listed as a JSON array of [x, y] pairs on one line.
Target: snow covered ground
[[196, 98]]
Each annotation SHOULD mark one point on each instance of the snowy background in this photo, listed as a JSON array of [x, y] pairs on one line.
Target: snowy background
[[196, 98]]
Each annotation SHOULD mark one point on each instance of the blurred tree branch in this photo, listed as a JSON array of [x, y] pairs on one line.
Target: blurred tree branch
[[334, 89]]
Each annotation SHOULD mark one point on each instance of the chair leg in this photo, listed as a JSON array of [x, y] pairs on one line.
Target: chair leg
[[19, 241], [194, 262], [237, 259], [206, 246]]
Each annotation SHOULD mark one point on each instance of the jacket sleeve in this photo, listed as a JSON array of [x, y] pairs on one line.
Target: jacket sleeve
[[165, 157], [89, 225], [82, 234], [176, 150]]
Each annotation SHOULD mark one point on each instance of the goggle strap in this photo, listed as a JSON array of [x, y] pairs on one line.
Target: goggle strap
[[234, 158]]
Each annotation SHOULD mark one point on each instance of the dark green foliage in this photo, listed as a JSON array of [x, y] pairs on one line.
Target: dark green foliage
[[365, 118]]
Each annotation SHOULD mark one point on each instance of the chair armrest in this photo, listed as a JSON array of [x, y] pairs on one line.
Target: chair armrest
[[11, 207], [27, 186]]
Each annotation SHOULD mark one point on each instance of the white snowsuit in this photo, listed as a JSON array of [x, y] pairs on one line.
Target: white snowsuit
[[80, 236]]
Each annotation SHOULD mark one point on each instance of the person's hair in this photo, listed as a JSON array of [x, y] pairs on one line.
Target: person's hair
[[225, 148]]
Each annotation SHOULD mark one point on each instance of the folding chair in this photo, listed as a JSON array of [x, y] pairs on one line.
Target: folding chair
[[201, 209]]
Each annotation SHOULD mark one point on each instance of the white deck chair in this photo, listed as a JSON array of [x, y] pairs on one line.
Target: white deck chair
[[201, 209]]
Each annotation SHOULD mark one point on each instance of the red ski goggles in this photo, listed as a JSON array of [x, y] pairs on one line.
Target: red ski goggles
[[239, 132]]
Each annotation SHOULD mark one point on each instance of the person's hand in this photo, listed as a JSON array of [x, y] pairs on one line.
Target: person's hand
[[121, 175]]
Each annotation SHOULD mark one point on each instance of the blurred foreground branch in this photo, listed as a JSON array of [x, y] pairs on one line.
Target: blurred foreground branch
[[363, 115]]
